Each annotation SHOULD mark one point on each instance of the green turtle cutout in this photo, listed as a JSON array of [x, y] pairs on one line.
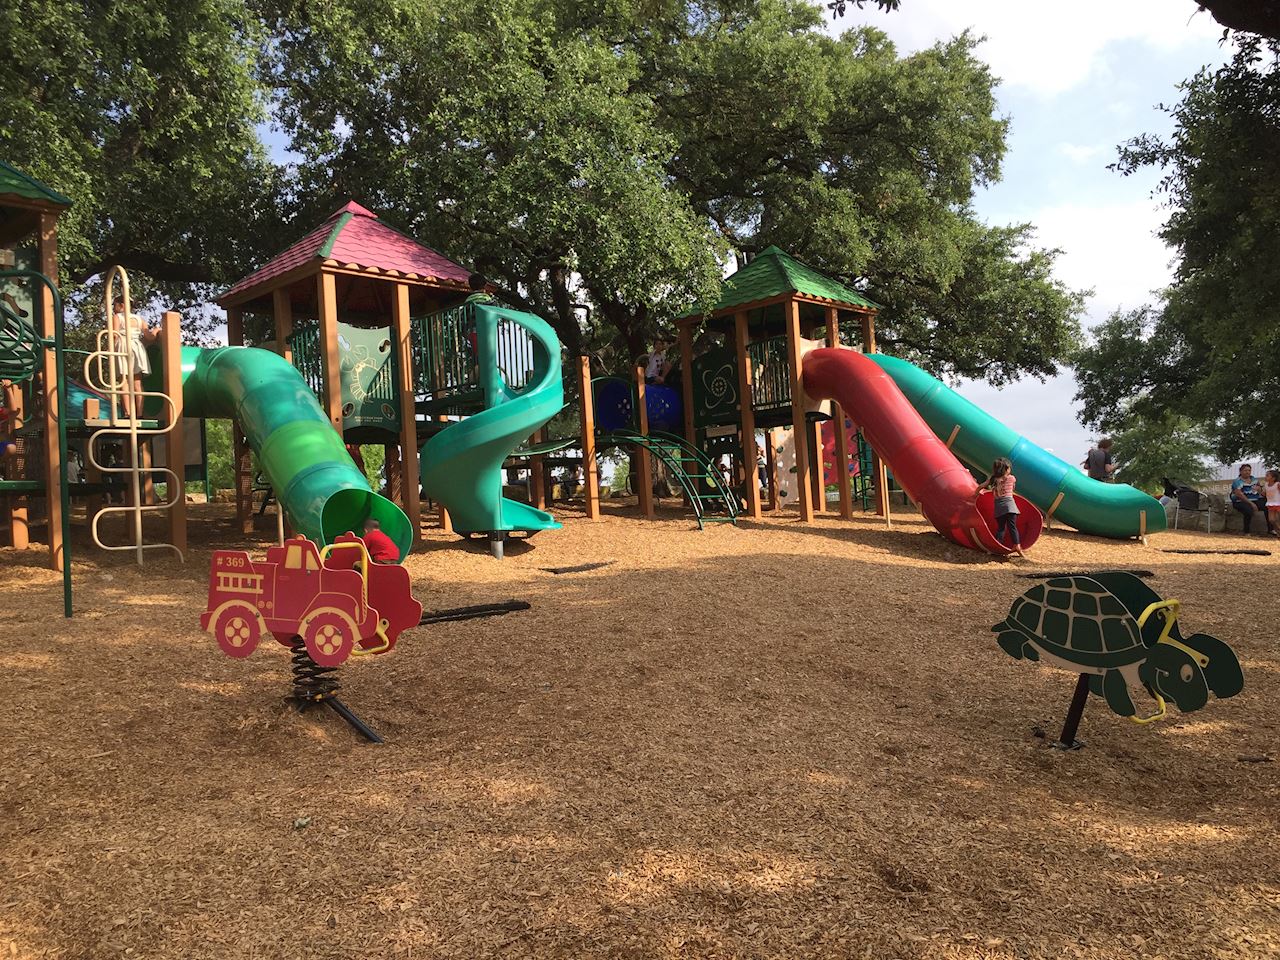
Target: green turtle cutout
[[1088, 623]]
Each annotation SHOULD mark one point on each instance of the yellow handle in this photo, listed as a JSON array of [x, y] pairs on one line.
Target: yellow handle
[[1161, 710], [381, 634], [1169, 608]]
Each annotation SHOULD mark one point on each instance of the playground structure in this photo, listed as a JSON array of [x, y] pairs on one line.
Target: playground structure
[[385, 330], [778, 314], [362, 335], [1121, 637]]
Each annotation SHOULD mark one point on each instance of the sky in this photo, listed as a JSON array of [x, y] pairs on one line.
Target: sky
[[1076, 80]]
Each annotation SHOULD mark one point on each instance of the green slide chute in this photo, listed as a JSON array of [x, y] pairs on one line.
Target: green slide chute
[[462, 465], [1059, 489], [322, 491]]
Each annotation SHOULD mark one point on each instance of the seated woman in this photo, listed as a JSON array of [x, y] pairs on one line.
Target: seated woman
[[1247, 497]]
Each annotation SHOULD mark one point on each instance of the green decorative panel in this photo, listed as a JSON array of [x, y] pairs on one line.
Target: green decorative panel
[[368, 371], [715, 388]]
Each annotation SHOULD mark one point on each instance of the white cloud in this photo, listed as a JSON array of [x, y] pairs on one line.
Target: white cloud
[[1083, 152], [1047, 48], [1111, 248]]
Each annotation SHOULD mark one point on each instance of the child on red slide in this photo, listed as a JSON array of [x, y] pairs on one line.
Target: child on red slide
[[382, 549], [1001, 483]]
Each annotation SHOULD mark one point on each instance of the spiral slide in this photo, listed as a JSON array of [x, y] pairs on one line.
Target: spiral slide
[[322, 491], [462, 465], [1055, 486], [921, 463]]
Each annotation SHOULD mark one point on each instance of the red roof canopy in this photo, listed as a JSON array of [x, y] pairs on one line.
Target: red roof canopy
[[354, 237]]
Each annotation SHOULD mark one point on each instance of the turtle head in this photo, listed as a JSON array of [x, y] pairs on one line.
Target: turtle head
[[1174, 675]]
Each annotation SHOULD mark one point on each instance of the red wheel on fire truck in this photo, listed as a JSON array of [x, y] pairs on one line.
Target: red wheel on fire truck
[[329, 634], [236, 627]]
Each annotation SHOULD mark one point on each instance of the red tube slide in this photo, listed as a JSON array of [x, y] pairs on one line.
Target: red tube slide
[[921, 463]]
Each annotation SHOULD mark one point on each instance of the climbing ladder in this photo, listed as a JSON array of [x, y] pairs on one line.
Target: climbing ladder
[[108, 370], [697, 474], [20, 347]]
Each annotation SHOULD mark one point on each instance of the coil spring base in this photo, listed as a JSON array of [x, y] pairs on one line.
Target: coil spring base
[[314, 684]]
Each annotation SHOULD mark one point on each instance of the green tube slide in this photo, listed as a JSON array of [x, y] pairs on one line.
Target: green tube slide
[[461, 466], [1059, 489], [322, 491]]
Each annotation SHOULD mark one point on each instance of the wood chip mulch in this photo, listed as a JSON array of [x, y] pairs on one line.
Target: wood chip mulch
[[778, 740]]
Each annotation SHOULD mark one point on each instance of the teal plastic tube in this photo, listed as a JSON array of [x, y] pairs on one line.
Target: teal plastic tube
[[322, 491], [461, 466], [1059, 489]]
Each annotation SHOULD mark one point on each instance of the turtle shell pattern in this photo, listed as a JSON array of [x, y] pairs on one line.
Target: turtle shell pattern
[[1080, 621]]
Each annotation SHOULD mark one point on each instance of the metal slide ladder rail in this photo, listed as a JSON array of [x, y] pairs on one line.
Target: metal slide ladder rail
[[113, 352], [680, 456]]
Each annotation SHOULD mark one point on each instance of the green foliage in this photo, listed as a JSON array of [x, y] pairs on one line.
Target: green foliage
[[609, 153], [1168, 446], [1211, 352], [374, 456], [144, 113], [222, 467]]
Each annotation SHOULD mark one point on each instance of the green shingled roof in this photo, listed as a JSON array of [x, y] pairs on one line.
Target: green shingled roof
[[16, 183], [774, 273]]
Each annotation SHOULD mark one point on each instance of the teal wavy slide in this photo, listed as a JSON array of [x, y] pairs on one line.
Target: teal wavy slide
[[322, 491], [1059, 489], [461, 466]]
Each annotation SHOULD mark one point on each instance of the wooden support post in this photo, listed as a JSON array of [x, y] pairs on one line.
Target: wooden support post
[[240, 449], [176, 446], [407, 389], [590, 469], [644, 478], [327, 302], [145, 465], [804, 487], [819, 472], [747, 416], [868, 321], [842, 436], [538, 473], [47, 258], [282, 309], [19, 532], [686, 380]]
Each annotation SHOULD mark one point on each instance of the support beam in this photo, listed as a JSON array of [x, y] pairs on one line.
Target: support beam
[[327, 299], [842, 436], [282, 310], [175, 442], [804, 481], [394, 489], [868, 321], [686, 380], [19, 532], [240, 449], [538, 473], [747, 416], [47, 260], [590, 469], [403, 328], [644, 478]]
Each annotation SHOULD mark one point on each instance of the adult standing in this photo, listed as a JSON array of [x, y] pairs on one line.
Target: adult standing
[[1247, 498], [1099, 463]]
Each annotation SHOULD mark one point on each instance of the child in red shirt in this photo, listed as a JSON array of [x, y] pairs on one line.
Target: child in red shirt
[[382, 549]]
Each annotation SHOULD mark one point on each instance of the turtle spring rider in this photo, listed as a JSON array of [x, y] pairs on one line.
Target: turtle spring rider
[[1122, 638]]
